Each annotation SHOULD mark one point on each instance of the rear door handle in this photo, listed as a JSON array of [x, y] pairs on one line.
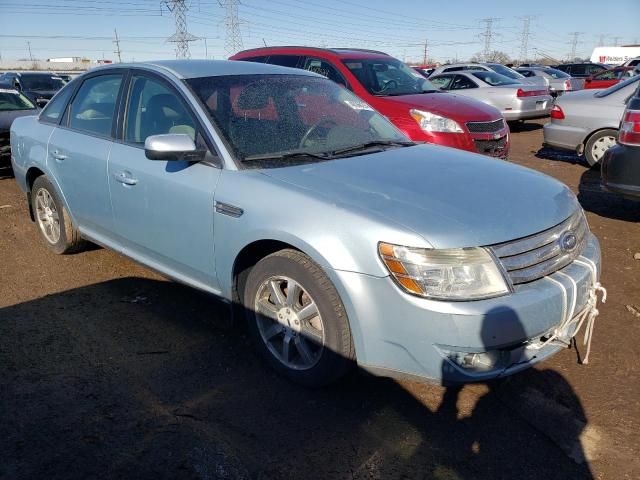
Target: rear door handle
[[125, 178], [58, 156]]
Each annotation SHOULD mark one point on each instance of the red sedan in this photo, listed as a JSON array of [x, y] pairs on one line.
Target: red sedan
[[608, 77]]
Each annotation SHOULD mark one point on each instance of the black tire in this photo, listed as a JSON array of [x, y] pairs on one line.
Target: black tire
[[69, 240], [588, 148], [337, 354]]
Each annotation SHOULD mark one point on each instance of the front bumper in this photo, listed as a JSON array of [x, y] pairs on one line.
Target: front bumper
[[400, 335], [492, 144], [621, 170]]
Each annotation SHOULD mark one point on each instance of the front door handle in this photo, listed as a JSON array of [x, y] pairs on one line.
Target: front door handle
[[125, 178], [58, 156]]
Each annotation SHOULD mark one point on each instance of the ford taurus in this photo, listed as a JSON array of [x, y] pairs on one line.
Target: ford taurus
[[341, 241]]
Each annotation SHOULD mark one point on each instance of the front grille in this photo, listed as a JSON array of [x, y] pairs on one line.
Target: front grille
[[491, 147], [486, 127], [5, 147], [534, 257]]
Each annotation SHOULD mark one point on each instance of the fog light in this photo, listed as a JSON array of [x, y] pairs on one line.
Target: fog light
[[477, 362]]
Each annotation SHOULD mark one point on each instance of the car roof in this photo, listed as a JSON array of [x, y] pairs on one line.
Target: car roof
[[184, 69], [293, 49]]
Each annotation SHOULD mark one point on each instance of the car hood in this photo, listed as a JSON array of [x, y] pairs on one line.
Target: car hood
[[7, 117], [450, 198], [457, 107]]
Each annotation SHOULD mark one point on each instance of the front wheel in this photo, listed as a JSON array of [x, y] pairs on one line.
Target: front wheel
[[53, 221], [599, 143], [297, 319]]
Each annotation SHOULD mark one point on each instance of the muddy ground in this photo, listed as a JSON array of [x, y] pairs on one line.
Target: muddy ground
[[110, 371]]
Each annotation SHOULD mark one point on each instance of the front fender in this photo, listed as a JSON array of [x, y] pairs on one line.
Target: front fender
[[334, 236]]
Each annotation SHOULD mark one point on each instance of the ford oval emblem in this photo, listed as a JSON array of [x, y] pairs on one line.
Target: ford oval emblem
[[568, 241]]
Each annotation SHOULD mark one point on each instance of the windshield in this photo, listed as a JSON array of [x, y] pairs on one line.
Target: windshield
[[553, 73], [268, 117], [41, 82], [494, 79], [506, 71], [13, 100], [388, 77], [617, 86]]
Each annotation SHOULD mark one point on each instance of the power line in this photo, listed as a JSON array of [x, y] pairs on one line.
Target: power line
[[488, 35], [182, 37], [117, 51], [574, 44], [526, 32], [233, 36]]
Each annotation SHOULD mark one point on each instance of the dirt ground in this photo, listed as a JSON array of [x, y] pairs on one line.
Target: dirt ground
[[110, 371]]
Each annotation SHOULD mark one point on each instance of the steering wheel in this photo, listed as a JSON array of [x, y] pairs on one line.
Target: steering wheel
[[388, 84], [314, 127]]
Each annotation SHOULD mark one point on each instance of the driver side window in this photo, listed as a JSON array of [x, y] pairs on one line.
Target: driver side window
[[443, 82], [460, 82]]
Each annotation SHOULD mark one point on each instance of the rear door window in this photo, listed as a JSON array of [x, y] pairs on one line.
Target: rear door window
[[460, 82], [325, 69], [577, 70], [94, 105], [292, 61]]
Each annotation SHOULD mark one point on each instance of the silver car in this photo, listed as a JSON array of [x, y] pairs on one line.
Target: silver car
[[490, 67], [515, 101], [587, 121], [339, 240], [558, 81]]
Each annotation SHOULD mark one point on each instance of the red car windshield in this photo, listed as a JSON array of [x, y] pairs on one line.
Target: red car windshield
[[388, 77]]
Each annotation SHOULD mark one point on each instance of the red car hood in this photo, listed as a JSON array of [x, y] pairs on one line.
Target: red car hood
[[459, 108]]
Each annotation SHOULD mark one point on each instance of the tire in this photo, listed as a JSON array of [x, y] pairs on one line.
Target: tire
[[321, 348], [599, 143], [50, 216]]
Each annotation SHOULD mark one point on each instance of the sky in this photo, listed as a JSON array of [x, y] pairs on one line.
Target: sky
[[451, 29]]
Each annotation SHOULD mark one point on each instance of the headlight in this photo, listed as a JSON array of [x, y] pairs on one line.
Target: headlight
[[430, 122], [444, 274]]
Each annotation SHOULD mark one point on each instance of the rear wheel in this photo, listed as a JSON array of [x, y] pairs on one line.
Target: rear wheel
[[297, 319], [599, 143], [54, 223]]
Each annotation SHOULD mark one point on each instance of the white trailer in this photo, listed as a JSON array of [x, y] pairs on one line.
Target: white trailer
[[615, 55]]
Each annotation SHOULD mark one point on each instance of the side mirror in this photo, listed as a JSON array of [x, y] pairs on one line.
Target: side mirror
[[172, 147]]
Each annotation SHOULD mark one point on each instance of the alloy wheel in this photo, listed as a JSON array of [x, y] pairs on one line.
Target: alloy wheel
[[48, 216], [289, 322]]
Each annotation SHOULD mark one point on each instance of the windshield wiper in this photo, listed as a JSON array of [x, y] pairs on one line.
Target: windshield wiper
[[286, 156], [373, 143]]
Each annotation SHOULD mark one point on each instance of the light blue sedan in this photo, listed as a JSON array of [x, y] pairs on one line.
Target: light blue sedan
[[342, 241]]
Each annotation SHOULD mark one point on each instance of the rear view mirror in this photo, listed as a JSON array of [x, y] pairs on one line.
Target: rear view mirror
[[172, 146]]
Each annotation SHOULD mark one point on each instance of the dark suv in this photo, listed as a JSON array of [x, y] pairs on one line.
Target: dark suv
[[621, 163], [582, 70], [39, 87]]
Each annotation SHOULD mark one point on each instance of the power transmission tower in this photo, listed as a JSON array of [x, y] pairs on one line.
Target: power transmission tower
[[233, 37], [488, 36], [526, 32], [30, 56], [424, 57], [574, 44], [615, 41], [602, 36], [117, 51], [182, 37]]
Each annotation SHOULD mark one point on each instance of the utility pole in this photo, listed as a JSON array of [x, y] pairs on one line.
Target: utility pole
[[574, 44], [424, 57], [233, 36], [524, 46], [29, 46], [615, 41], [488, 35], [182, 37], [117, 51], [206, 50]]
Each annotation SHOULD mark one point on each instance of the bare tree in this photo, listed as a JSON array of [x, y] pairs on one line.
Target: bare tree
[[494, 56]]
